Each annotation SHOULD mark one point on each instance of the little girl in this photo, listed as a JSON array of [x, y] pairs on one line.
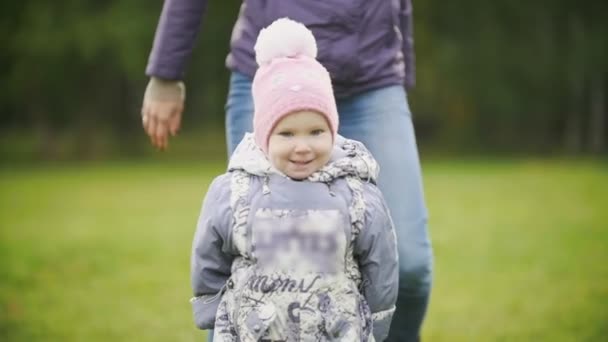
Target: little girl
[[294, 242]]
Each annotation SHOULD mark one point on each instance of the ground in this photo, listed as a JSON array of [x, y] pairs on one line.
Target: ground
[[101, 251]]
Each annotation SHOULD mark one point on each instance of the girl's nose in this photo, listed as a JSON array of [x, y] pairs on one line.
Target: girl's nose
[[301, 146]]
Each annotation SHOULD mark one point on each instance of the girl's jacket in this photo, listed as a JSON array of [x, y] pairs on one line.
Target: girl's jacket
[[284, 260]]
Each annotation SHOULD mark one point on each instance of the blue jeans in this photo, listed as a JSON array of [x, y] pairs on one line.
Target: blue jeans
[[382, 120]]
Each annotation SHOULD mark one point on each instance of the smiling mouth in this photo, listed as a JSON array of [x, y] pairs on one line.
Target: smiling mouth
[[301, 162]]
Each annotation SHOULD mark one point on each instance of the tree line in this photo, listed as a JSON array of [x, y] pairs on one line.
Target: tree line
[[491, 75]]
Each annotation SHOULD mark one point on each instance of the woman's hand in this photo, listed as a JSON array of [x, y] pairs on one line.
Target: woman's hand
[[162, 110]]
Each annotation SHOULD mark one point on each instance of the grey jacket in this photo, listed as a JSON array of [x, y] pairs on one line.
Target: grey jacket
[[324, 245], [364, 44]]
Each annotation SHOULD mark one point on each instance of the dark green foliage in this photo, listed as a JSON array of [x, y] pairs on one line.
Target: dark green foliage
[[492, 76]]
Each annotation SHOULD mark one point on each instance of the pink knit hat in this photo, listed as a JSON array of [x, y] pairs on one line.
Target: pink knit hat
[[289, 79]]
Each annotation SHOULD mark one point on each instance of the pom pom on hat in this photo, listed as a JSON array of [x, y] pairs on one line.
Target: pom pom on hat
[[284, 38], [289, 79]]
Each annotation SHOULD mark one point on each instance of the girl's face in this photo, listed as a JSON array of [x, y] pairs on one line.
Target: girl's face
[[300, 144]]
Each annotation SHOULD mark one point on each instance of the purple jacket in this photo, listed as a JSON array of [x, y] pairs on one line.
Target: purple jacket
[[365, 44]]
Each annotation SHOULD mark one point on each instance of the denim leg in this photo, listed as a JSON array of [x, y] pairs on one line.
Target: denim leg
[[381, 119], [239, 110]]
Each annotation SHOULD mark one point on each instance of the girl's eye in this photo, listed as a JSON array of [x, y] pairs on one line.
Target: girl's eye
[[286, 134], [317, 132]]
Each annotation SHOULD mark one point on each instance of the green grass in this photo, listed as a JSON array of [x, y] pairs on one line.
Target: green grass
[[100, 252]]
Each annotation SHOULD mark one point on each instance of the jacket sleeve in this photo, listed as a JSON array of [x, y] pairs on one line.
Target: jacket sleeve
[[211, 256], [176, 33], [376, 250], [406, 16]]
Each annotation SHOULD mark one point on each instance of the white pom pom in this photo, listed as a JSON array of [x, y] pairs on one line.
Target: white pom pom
[[284, 38]]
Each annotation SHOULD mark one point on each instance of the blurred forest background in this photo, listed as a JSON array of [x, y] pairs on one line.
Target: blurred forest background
[[511, 113], [506, 77]]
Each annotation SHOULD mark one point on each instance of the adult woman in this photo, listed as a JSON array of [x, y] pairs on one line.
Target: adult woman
[[367, 47]]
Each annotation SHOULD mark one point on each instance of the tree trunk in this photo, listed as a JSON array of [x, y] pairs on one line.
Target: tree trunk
[[597, 119], [574, 122], [573, 134]]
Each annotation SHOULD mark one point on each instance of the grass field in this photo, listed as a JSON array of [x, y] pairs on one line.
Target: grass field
[[100, 252]]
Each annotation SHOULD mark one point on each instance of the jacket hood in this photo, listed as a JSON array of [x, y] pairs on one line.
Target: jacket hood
[[348, 158]]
